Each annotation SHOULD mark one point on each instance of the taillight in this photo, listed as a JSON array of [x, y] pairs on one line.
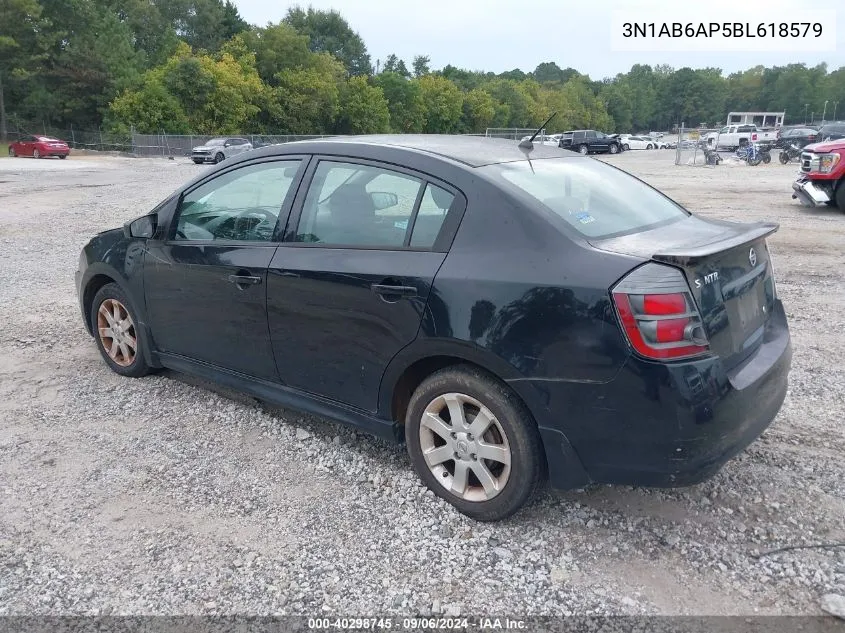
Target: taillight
[[811, 137], [658, 313]]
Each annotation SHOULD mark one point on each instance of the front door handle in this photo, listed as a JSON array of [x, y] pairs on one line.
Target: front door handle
[[387, 290], [244, 280]]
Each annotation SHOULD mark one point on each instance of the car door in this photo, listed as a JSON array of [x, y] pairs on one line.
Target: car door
[[347, 289], [27, 145], [599, 141], [205, 275]]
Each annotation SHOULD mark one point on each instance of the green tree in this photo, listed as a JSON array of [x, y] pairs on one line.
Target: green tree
[[407, 112], [328, 32], [442, 103], [277, 47], [420, 65], [20, 47], [363, 108], [395, 65], [307, 100], [478, 111], [549, 72]]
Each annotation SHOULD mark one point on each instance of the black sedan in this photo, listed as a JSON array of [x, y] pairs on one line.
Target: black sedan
[[511, 314]]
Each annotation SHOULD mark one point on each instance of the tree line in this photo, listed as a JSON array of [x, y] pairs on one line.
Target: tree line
[[196, 66]]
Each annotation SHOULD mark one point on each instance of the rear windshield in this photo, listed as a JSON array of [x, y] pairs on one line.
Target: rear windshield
[[595, 199]]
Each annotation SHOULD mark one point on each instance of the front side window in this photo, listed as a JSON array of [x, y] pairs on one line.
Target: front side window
[[243, 204], [358, 205], [595, 199]]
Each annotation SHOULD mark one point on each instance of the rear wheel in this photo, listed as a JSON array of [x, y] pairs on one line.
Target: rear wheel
[[649, 146], [583, 149], [614, 148], [783, 157], [118, 338], [36, 153], [473, 443], [11, 151], [767, 158]]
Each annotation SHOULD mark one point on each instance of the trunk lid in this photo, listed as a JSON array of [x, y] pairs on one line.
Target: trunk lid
[[728, 268]]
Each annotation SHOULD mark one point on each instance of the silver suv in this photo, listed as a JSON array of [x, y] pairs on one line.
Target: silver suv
[[219, 149]]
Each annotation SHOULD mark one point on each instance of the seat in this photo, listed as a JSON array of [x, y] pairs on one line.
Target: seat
[[352, 217]]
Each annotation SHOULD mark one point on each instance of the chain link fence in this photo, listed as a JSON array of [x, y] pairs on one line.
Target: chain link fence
[[181, 144], [696, 148], [77, 138]]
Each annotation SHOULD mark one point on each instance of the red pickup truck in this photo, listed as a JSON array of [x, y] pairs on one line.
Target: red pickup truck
[[822, 179]]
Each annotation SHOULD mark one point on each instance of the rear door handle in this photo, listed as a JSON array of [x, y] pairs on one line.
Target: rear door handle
[[244, 280], [394, 291]]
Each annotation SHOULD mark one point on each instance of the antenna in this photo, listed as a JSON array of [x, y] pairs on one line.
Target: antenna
[[529, 144]]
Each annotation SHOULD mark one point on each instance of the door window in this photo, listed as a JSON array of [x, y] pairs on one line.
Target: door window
[[434, 205], [242, 205], [358, 205]]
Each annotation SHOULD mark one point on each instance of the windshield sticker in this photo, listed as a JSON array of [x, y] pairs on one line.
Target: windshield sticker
[[584, 217], [401, 224]]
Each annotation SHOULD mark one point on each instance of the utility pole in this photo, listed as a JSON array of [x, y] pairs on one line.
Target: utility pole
[[835, 103], [806, 105], [825, 110]]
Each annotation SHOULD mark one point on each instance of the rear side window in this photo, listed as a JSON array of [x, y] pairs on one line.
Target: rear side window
[[593, 198]]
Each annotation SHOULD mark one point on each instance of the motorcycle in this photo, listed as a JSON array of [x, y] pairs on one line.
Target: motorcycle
[[790, 153], [754, 154]]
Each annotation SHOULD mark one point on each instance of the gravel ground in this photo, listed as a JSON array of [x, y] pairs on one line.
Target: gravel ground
[[168, 495]]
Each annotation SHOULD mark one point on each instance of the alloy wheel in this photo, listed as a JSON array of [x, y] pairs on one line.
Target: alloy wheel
[[465, 447], [117, 332], [36, 154]]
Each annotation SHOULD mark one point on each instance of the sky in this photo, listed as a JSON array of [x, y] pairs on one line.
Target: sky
[[500, 35]]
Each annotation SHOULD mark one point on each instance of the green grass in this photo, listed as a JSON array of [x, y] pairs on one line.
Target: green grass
[[4, 150]]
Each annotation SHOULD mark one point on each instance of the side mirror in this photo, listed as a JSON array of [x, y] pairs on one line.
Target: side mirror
[[384, 200], [227, 144], [144, 227]]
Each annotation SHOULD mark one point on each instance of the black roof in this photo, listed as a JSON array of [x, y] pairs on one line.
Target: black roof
[[474, 151]]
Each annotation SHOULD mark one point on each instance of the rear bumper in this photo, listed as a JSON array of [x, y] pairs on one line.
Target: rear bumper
[[673, 424], [809, 194]]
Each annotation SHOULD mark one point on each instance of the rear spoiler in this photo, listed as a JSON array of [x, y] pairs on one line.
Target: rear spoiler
[[756, 231]]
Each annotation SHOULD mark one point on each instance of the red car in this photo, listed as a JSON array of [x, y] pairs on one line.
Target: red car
[[39, 147]]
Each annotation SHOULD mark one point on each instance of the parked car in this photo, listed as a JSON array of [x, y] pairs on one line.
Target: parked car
[[219, 149], [797, 136], [353, 278], [637, 142], [822, 179], [39, 147], [832, 131], [733, 137], [589, 142]]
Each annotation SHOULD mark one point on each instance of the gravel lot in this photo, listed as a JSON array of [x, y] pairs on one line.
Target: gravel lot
[[167, 495]]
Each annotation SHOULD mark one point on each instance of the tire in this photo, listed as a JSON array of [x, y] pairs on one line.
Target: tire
[[197, 162], [649, 146], [36, 153], [754, 161], [583, 150], [218, 157], [62, 156], [12, 152], [511, 430], [783, 157], [626, 147], [613, 148], [767, 158], [840, 195], [120, 356]]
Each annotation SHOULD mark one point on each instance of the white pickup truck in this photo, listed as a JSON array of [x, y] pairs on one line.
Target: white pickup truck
[[733, 136]]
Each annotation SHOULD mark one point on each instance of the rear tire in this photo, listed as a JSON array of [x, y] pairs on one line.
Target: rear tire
[[114, 324], [767, 158], [783, 157], [446, 445], [583, 150], [649, 146], [36, 153], [62, 156], [11, 152]]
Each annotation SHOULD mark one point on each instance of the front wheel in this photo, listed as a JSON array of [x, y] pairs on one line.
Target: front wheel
[[649, 146], [583, 149], [783, 157], [767, 158], [840, 195], [118, 337], [11, 152], [473, 443], [754, 161], [218, 157]]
